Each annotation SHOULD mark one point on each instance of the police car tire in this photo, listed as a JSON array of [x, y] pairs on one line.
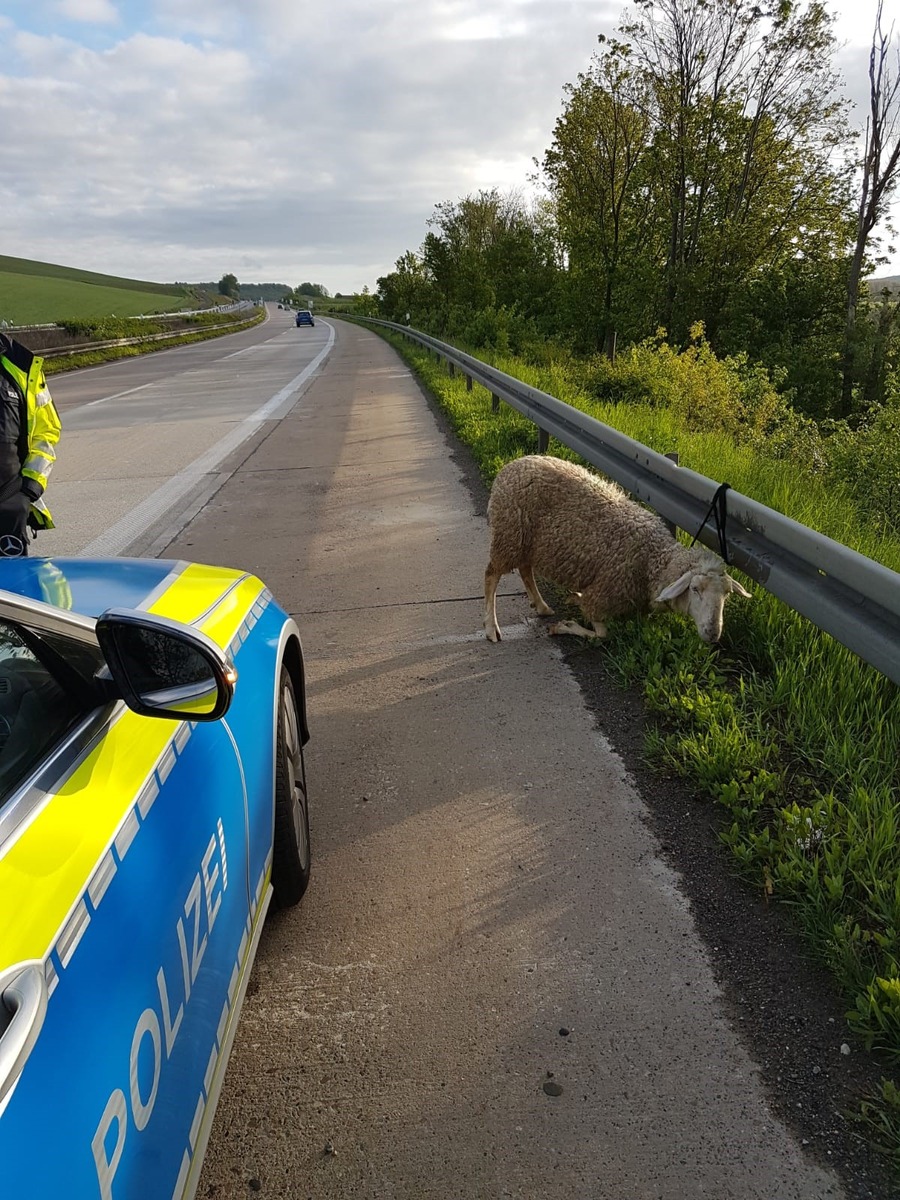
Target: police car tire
[[291, 849]]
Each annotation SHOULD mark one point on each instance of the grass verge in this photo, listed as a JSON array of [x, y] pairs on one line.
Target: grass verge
[[791, 735], [92, 358]]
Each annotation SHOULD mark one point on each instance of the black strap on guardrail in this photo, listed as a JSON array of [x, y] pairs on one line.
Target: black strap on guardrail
[[719, 510]]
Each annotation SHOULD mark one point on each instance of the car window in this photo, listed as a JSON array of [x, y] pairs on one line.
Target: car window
[[35, 710]]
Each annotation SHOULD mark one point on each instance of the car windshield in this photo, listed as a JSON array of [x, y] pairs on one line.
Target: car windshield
[[35, 710]]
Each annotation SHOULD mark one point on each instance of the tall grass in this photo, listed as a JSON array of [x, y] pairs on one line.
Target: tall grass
[[790, 734]]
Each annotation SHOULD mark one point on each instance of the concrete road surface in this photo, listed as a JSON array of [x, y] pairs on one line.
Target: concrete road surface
[[493, 987], [145, 440]]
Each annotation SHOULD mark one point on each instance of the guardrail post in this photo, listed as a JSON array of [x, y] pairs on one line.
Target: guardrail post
[[670, 525], [468, 383], [495, 402], [451, 368], [543, 440]]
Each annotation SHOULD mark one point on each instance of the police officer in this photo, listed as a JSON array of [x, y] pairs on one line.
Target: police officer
[[29, 431]]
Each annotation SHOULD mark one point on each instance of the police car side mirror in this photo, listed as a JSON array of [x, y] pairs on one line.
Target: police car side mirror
[[164, 669]]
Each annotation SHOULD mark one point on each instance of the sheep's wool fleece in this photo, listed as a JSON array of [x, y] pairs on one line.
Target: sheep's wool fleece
[[582, 532]]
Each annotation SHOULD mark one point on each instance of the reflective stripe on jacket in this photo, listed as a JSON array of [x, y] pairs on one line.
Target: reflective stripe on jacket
[[26, 370]]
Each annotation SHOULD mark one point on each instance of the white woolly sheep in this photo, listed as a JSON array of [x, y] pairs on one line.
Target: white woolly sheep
[[582, 532]]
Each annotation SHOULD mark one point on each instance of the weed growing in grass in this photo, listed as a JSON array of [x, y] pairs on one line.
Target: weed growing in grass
[[879, 1118], [795, 738]]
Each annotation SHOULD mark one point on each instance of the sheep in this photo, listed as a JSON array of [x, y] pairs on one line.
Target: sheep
[[583, 532]]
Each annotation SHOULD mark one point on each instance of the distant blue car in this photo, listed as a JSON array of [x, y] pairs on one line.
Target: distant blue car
[[305, 317], [152, 803]]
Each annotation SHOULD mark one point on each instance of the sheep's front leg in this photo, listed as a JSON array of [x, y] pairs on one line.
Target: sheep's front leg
[[491, 579], [598, 629], [538, 603]]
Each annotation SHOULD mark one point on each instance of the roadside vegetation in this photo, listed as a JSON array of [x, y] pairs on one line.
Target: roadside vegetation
[[694, 275], [35, 293], [199, 327]]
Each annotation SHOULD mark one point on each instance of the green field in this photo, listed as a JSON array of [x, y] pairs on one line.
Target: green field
[[33, 293]]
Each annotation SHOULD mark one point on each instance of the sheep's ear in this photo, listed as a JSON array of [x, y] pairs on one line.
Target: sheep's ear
[[734, 586], [674, 589]]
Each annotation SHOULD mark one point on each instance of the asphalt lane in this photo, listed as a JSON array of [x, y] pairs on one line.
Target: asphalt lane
[[494, 986], [145, 443], [73, 388]]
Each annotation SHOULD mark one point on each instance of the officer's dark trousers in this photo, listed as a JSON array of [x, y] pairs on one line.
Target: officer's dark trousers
[[14, 509]]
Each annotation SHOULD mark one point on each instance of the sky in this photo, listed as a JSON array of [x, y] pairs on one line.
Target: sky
[[284, 140]]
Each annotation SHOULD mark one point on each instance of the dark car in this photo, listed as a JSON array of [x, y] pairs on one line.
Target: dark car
[[305, 317]]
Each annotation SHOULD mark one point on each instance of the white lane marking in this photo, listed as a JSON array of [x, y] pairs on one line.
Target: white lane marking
[[119, 536], [258, 346], [116, 395]]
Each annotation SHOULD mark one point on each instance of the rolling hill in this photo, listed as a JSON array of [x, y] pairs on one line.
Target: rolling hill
[[39, 293]]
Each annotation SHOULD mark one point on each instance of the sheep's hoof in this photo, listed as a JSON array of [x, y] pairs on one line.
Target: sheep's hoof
[[576, 630]]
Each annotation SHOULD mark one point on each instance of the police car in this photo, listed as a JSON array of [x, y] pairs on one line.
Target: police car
[[152, 804]]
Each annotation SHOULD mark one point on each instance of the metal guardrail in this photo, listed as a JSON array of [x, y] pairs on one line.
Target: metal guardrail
[[87, 347], [163, 316], [854, 598]]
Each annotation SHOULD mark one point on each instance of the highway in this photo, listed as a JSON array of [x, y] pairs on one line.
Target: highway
[[494, 986], [145, 439]]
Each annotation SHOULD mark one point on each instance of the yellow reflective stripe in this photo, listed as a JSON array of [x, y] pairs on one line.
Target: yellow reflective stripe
[[193, 592], [231, 611], [45, 872], [215, 600]]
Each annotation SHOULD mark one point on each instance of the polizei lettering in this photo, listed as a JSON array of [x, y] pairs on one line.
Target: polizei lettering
[[157, 1028]]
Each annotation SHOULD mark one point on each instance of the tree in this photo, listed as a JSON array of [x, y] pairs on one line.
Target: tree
[[745, 133], [880, 172], [593, 171], [489, 252], [316, 290], [407, 289], [365, 303], [229, 286]]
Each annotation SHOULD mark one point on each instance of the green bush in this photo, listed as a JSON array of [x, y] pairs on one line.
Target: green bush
[[866, 462], [703, 392]]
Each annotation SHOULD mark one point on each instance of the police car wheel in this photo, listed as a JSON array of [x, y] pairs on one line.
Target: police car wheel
[[291, 850]]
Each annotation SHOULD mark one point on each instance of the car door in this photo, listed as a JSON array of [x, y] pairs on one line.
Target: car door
[[125, 922]]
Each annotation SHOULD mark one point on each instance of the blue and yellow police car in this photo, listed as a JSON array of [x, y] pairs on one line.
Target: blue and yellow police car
[[152, 805]]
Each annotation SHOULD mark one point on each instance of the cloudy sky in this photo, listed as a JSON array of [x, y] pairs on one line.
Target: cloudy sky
[[282, 140]]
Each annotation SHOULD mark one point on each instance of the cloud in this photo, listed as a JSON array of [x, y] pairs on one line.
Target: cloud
[[96, 12], [279, 140]]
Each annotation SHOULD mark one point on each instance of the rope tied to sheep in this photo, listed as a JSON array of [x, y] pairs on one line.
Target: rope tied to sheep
[[718, 509]]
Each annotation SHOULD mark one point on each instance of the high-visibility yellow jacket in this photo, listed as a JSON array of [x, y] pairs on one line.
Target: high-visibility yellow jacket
[[42, 425]]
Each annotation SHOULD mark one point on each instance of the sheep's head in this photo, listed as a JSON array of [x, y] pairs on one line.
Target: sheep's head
[[701, 593]]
